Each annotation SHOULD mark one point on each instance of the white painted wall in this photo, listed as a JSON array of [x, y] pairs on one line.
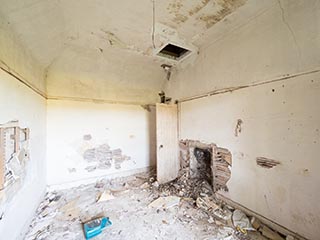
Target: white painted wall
[[283, 125], [18, 102], [128, 127]]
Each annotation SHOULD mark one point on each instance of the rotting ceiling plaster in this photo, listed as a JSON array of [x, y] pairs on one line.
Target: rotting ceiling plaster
[[104, 49]]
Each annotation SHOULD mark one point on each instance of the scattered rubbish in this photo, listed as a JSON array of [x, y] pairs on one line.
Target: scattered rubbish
[[157, 209], [165, 202], [145, 185], [223, 214], [95, 227], [165, 222], [289, 237], [241, 221], [70, 210], [256, 224], [119, 191], [206, 203], [267, 232], [210, 220], [155, 184], [105, 196], [225, 233]]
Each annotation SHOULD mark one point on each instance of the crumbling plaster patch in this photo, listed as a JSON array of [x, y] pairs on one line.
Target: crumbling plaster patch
[[103, 157], [96, 140]]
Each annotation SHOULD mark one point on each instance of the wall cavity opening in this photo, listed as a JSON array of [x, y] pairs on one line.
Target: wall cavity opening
[[207, 162]]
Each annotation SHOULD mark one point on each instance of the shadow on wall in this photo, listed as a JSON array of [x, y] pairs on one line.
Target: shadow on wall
[[152, 129]]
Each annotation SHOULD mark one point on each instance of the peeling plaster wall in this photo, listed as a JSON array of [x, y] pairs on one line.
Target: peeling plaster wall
[[17, 59], [89, 140], [279, 120], [18, 102]]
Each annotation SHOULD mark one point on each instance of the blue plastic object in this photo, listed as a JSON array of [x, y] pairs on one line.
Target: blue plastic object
[[95, 227]]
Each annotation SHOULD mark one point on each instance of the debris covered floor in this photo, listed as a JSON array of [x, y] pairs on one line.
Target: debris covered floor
[[139, 208]]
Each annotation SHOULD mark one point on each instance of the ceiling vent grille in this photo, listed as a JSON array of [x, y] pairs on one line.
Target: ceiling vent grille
[[173, 52]]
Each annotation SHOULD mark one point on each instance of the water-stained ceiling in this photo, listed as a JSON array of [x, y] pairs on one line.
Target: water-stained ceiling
[[104, 49]]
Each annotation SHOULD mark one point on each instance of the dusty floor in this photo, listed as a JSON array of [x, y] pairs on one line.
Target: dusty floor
[[61, 214]]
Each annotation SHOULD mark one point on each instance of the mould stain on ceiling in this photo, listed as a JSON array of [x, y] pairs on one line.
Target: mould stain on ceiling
[[59, 31], [198, 7], [227, 7]]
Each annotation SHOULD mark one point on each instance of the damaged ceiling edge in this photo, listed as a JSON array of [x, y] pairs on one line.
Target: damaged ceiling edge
[[98, 101], [21, 79]]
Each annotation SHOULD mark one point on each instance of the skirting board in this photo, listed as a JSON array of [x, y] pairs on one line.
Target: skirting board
[[275, 226], [95, 179]]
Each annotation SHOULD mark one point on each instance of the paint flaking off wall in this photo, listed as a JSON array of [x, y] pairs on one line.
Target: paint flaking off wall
[[103, 157]]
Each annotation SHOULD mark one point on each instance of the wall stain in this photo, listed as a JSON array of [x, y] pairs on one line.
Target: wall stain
[[113, 39]]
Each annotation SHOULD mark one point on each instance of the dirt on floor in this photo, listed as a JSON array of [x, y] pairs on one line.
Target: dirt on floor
[[140, 208]]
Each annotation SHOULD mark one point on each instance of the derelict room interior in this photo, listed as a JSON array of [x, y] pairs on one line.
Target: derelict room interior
[[159, 119]]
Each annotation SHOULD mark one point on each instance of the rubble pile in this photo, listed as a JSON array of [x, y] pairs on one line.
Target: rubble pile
[[202, 196], [141, 208]]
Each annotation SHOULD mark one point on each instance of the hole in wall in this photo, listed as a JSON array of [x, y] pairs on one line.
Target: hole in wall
[[266, 162], [206, 161]]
